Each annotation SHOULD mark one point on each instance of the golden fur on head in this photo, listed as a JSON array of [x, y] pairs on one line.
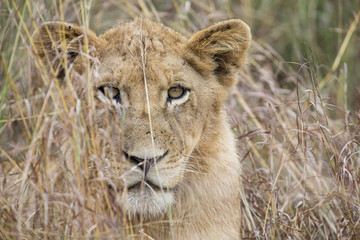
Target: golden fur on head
[[176, 152]]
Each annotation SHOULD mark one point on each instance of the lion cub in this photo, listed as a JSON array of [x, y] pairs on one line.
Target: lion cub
[[163, 137]]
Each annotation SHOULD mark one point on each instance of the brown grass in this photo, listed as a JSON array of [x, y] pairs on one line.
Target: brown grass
[[295, 112]]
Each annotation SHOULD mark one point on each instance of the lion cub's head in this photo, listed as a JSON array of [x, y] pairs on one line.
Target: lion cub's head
[[157, 95]]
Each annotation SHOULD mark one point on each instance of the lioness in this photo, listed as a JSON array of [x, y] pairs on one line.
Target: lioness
[[166, 92]]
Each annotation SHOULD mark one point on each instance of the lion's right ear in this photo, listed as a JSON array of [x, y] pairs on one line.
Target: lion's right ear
[[57, 43], [221, 49]]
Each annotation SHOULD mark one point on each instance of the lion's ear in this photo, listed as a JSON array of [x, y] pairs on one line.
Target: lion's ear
[[56, 41], [222, 46]]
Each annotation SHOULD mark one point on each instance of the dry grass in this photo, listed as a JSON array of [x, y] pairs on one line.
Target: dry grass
[[295, 111]]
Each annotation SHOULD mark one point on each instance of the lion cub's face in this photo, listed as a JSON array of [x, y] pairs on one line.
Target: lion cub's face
[[155, 93], [160, 127]]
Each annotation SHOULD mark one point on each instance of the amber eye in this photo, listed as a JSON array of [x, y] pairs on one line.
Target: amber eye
[[176, 92], [111, 93]]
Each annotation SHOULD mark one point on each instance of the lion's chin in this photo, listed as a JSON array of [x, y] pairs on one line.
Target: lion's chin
[[148, 202]]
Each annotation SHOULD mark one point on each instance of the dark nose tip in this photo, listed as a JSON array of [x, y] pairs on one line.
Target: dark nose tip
[[144, 164]]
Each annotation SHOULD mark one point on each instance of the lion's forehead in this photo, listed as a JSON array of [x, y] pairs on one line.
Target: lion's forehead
[[140, 38], [138, 46], [142, 50], [125, 69]]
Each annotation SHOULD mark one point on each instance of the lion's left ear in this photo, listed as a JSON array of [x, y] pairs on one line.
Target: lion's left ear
[[222, 46]]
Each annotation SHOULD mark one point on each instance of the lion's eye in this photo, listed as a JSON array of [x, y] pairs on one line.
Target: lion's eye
[[111, 93], [176, 92]]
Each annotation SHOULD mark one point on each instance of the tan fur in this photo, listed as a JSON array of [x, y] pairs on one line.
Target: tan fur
[[200, 172]]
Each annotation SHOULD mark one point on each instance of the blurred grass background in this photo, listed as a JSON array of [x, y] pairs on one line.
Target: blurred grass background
[[295, 110]]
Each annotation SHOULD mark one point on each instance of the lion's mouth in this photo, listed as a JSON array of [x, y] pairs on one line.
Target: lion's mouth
[[148, 185]]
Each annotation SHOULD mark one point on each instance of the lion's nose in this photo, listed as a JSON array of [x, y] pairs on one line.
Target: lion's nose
[[145, 163]]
